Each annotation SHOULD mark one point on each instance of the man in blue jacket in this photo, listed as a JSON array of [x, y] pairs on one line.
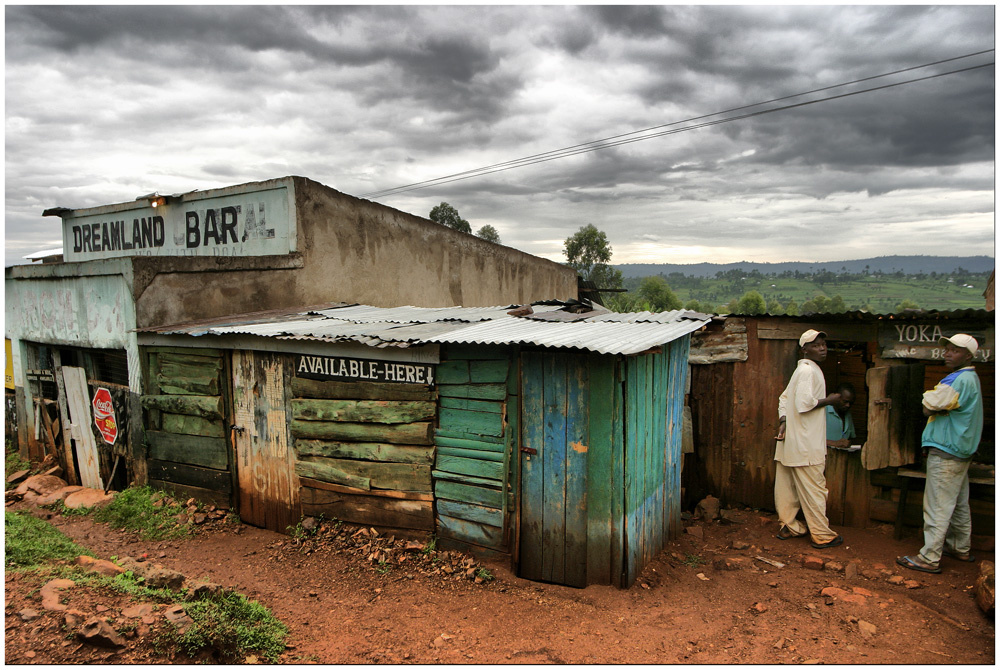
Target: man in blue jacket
[[954, 425]]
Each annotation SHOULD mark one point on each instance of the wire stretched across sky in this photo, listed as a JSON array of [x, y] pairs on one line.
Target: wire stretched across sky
[[647, 133]]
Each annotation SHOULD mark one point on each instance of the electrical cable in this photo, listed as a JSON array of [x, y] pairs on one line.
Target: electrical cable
[[627, 138]]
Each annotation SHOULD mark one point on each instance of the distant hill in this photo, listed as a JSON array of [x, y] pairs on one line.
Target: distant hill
[[884, 264]]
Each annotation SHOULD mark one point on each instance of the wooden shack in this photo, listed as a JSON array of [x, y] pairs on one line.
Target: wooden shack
[[741, 363], [468, 423]]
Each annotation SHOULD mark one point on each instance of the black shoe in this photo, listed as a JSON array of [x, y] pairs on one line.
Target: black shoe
[[835, 542]]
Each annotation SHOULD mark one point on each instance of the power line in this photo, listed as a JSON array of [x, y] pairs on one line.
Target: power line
[[637, 135]]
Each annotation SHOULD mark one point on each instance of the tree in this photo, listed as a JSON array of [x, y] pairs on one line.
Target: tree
[[773, 306], [751, 302], [836, 305], [792, 308], [907, 304], [447, 215], [657, 293], [589, 253], [488, 233]]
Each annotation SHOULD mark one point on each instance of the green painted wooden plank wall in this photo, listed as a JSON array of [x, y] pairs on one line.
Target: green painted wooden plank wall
[[472, 440]]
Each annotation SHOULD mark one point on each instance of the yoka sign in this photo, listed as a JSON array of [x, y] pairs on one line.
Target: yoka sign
[[104, 415]]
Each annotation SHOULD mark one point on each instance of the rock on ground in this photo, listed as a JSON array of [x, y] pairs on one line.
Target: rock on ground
[[39, 485], [99, 632], [985, 588], [87, 498], [52, 592], [99, 566]]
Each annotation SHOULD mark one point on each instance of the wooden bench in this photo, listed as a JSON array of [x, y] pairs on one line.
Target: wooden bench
[[908, 474]]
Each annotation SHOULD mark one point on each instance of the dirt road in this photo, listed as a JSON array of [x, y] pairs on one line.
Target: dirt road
[[703, 600]]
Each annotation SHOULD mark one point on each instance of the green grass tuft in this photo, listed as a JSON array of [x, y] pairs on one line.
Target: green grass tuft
[[13, 462], [233, 627], [134, 509], [31, 542]]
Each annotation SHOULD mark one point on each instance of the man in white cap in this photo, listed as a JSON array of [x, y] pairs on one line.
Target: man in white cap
[[954, 411], [800, 454]]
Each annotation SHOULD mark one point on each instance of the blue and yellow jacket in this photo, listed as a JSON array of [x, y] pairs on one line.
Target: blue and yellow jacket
[[958, 431]]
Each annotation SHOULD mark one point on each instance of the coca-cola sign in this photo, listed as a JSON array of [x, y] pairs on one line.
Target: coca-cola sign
[[104, 415]]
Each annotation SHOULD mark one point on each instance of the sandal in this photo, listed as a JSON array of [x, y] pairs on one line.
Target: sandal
[[917, 564], [835, 542], [967, 557], [785, 533]]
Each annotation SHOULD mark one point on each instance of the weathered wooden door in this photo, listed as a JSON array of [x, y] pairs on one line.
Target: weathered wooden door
[[895, 418], [554, 439], [269, 487], [78, 401]]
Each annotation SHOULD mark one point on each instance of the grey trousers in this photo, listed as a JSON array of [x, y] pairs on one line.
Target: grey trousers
[[947, 520]]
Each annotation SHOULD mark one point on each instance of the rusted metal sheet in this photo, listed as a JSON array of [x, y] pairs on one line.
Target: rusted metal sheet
[[771, 328], [755, 417], [722, 341], [269, 487]]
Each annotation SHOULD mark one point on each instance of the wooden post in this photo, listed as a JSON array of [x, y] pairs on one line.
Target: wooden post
[[70, 468]]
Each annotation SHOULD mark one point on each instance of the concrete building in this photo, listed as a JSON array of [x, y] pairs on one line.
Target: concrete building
[[258, 246]]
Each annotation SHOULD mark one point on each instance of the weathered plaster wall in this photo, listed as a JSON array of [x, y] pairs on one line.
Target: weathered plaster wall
[[349, 250], [78, 311]]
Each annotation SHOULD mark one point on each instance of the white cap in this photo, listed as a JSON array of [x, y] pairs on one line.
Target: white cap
[[962, 341], [810, 335]]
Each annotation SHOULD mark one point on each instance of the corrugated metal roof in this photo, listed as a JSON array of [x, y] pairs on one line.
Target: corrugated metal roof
[[408, 314], [603, 332], [606, 337]]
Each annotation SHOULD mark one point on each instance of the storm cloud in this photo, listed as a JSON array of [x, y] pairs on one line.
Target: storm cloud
[[106, 103]]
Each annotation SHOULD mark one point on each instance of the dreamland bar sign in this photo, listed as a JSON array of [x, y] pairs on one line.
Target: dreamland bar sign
[[338, 368], [251, 223]]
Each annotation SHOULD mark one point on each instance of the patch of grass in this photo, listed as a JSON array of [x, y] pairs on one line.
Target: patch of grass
[[135, 509], [693, 560], [233, 627], [383, 567], [30, 542], [12, 462], [430, 546], [126, 583], [484, 575]]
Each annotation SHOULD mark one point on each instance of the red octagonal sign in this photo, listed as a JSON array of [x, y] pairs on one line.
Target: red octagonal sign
[[104, 415]]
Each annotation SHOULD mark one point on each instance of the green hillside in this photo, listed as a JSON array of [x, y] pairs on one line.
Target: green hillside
[[879, 293]]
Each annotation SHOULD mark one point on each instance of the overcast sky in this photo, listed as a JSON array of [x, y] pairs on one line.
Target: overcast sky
[[104, 104]]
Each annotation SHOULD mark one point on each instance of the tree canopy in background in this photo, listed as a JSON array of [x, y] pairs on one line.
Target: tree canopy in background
[[657, 293], [447, 215], [488, 233], [589, 253]]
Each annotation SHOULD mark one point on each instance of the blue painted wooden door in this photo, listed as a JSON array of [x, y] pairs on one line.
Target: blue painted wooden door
[[554, 446]]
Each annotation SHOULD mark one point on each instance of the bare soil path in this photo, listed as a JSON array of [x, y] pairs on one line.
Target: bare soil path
[[702, 600]]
